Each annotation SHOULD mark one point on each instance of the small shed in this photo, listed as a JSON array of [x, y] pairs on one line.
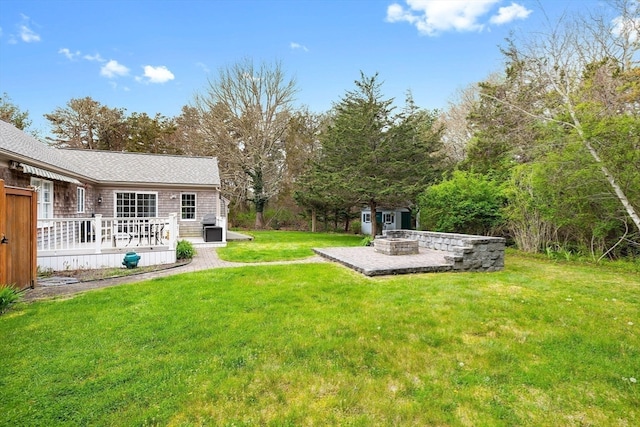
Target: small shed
[[386, 218]]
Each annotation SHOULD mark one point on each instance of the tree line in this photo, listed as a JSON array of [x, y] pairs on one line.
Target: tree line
[[555, 138], [546, 152]]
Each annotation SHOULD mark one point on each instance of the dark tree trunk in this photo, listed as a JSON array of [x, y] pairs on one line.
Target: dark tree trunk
[[314, 220], [259, 198], [374, 219]]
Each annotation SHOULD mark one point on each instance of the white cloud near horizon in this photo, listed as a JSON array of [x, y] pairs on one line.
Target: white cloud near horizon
[[294, 46], [435, 17], [113, 69], [160, 74]]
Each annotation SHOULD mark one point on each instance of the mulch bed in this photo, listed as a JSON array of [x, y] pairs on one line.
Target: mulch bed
[[90, 275]]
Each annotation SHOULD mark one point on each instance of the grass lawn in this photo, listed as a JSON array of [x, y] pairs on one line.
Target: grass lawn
[[283, 245], [539, 343]]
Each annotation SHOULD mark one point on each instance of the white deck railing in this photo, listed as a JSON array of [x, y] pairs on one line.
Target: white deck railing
[[98, 233]]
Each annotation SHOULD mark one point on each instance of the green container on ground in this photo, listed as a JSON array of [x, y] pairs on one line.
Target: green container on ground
[[131, 260]]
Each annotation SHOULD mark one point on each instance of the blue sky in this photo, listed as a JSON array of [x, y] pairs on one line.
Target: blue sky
[[153, 56]]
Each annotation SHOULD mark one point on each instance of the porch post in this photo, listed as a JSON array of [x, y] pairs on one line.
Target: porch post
[[222, 222], [173, 230], [218, 207], [97, 227]]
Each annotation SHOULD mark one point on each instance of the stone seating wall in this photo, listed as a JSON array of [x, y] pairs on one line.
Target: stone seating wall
[[465, 252]]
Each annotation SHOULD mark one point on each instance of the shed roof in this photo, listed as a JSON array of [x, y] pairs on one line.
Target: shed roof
[[110, 166]]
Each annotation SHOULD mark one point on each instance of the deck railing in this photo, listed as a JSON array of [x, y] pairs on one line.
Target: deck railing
[[99, 233]]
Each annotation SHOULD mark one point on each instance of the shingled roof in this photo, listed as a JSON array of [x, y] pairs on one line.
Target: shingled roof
[[117, 167], [23, 147], [110, 167]]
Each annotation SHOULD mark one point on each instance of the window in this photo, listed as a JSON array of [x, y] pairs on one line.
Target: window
[[366, 217], [389, 218], [80, 196], [146, 205], [45, 197], [188, 206], [132, 205]]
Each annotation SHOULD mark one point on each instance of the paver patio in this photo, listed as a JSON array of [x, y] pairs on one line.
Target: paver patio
[[367, 261]]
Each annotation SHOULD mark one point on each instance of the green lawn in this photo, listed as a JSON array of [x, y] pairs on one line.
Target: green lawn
[[283, 245], [539, 343]]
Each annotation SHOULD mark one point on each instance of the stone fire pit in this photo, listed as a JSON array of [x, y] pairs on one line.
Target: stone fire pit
[[395, 246]]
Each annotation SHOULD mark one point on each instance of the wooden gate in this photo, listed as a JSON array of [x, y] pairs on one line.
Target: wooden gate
[[18, 221]]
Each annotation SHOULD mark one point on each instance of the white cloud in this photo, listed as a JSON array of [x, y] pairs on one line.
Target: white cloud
[[25, 32], [70, 55], [96, 58], [510, 13], [28, 35], [113, 69], [160, 74], [626, 28], [294, 46], [396, 13], [203, 67], [434, 17]]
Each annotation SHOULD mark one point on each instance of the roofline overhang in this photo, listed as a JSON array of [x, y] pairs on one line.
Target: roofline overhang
[[48, 166], [156, 185], [43, 165]]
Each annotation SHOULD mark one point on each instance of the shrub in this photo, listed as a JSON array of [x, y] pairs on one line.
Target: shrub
[[242, 219], [274, 219], [465, 203], [356, 227], [8, 296], [367, 241], [185, 250]]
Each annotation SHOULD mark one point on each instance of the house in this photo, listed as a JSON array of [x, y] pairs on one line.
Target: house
[[93, 206], [386, 218]]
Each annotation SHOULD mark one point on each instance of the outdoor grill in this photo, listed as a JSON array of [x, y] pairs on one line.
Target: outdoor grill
[[211, 232]]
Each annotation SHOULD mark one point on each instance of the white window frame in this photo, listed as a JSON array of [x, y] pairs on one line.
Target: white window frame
[[389, 218], [366, 217], [80, 194], [136, 194], [182, 206], [44, 188]]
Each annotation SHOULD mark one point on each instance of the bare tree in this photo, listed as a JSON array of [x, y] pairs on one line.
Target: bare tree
[[302, 143], [246, 114], [458, 130]]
